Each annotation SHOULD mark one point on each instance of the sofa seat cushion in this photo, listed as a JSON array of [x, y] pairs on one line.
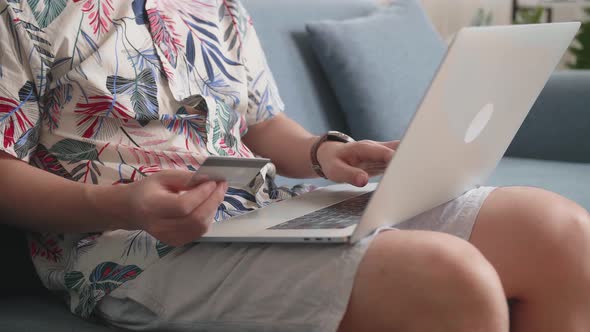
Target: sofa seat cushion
[[566, 178], [41, 313]]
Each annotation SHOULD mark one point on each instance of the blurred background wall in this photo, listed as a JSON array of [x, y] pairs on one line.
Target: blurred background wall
[[449, 16]]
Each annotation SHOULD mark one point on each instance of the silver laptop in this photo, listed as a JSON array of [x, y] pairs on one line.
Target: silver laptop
[[481, 94]]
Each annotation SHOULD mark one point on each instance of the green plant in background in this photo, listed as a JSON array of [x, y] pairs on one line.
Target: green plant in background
[[581, 47], [482, 18], [529, 15]]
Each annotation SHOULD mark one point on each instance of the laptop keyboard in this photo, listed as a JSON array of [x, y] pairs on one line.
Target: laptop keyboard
[[339, 215]]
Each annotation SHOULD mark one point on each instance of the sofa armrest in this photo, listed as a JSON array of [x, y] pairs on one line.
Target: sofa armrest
[[558, 126]]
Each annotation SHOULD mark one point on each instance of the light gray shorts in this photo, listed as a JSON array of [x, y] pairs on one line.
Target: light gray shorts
[[261, 287]]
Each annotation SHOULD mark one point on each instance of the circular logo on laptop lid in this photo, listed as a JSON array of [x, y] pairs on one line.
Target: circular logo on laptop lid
[[479, 122]]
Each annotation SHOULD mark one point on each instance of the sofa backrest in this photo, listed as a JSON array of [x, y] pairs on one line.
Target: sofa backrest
[[280, 25]]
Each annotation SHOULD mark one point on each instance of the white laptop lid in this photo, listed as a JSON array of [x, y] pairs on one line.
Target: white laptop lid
[[485, 87]]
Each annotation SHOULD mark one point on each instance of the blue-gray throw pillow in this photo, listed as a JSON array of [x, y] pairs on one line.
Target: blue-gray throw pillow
[[379, 66]]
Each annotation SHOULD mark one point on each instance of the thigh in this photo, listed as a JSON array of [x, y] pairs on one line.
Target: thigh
[[520, 230], [246, 287], [424, 281], [295, 287], [226, 287]]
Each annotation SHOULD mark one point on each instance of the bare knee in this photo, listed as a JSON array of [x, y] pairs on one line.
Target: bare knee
[[423, 278], [565, 233], [541, 213], [535, 239], [464, 280], [553, 226]]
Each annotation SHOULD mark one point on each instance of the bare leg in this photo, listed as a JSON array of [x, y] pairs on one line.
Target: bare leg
[[539, 243], [425, 281]]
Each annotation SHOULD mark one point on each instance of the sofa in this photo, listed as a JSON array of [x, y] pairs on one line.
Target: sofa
[[551, 150]]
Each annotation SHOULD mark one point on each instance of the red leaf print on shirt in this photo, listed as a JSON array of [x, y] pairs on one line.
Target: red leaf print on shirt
[[45, 246], [142, 171], [100, 14], [164, 34], [93, 113], [44, 160], [11, 115]]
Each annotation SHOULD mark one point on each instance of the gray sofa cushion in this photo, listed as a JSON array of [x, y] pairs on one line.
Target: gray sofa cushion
[[569, 179], [380, 66], [304, 89], [47, 314], [558, 126]]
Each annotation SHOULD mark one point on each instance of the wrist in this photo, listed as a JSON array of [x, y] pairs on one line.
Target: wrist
[[324, 143], [107, 205], [325, 152]]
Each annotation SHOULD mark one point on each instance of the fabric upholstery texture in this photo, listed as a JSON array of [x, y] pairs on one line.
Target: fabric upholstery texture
[[558, 126], [569, 179], [302, 85], [380, 66], [42, 313]]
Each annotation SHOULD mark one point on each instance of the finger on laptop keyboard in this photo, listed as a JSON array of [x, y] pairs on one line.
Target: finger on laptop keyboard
[[368, 152]]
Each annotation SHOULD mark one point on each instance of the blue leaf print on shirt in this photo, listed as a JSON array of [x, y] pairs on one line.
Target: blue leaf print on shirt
[[143, 91], [191, 126], [210, 50], [27, 141], [147, 58], [190, 51], [242, 193], [92, 44], [139, 11]]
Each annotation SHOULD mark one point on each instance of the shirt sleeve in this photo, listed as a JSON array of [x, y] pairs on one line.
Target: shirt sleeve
[[20, 119], [264, 100]]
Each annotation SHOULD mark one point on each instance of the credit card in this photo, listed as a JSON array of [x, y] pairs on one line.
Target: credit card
[[238, 172]]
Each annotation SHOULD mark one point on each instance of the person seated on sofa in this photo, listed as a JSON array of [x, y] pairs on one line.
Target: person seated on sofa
[[107, 106]]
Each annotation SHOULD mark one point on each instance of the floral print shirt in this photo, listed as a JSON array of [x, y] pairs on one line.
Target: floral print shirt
[[111, 91]]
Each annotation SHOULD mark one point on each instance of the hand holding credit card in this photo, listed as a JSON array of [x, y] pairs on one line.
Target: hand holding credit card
[[238, 172]]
